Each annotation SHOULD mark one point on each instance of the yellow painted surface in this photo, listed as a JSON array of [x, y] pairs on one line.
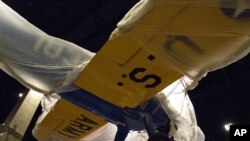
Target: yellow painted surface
[[67, 122], [185, 38], [191, 36], [110, 74]]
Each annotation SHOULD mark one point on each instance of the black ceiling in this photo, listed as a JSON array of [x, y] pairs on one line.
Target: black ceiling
[[220, 97], [86, 23]]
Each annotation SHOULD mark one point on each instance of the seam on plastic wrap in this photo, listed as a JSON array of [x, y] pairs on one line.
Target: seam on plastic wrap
[[67, 80], [70, 77]]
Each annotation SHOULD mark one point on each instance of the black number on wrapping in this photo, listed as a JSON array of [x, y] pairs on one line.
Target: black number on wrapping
[[133, 76]]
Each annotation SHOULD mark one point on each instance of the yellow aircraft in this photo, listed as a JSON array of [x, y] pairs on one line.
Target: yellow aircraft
[[156, 43]]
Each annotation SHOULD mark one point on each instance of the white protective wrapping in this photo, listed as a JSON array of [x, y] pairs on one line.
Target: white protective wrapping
[[48, 64], [195, 67], [137, 136], [174, 98], [105, 133], [37, 60], [176, 103]]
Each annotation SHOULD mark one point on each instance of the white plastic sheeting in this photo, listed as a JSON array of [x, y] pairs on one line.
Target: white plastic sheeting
[[105, 133], [37, 60], [48, 64], [137, 136], [193, 37], [176, 103], [47, 103]]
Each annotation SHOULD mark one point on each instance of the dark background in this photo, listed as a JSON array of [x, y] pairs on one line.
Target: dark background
[[221, 97]]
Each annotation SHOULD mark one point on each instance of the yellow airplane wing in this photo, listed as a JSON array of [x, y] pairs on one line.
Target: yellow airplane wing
[[125, 74], [171, 39], [192, 36], [67, 122]]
